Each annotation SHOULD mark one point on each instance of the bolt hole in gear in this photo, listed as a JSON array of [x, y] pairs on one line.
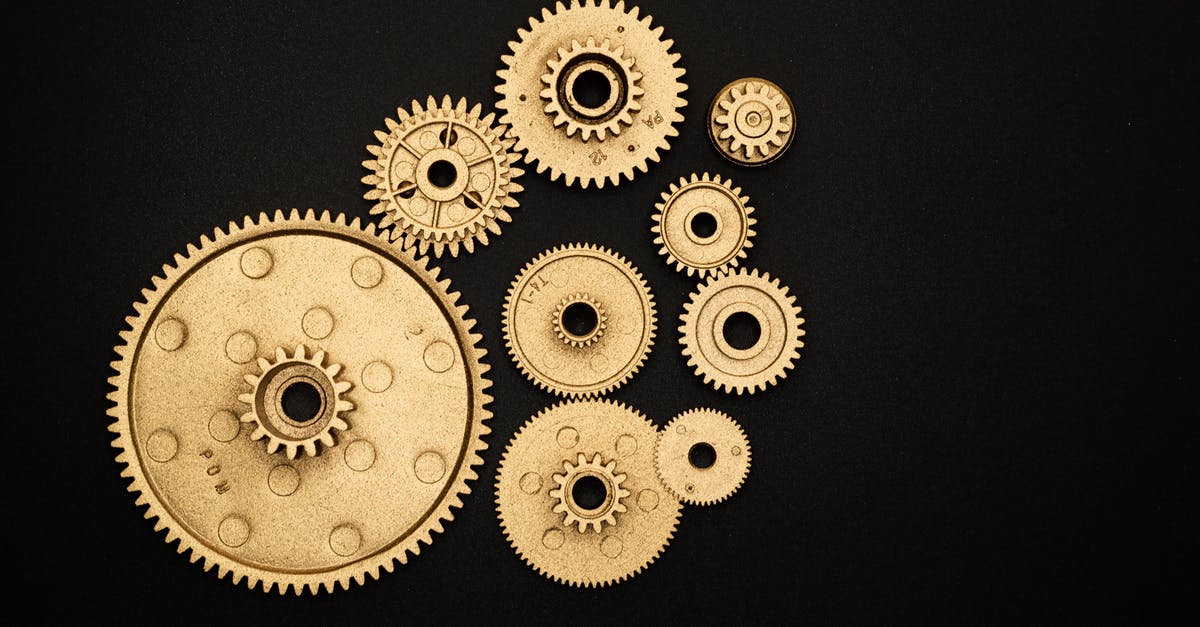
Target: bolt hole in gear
[[580, 319], [703, 224], [302, 402], [589, 493], [741, 330], [442, 174], [702, 455], [593, 91]]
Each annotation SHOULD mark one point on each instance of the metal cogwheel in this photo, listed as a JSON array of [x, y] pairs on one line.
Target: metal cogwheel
[[727, 300], [702, 457], [578, 496], [579, 320], [591, 92], [299, 402], [751, 121], [443, 176], [703, 224]]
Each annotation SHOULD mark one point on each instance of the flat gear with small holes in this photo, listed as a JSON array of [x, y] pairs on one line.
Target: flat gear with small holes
[[703, 225], [745, 294], [751, 122], [442, 176], [589, 355], [708, 484], [552, 527], [591, 92], [278, 492]]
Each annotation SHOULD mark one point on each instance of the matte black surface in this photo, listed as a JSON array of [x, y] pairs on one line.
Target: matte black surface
[[985, 215]]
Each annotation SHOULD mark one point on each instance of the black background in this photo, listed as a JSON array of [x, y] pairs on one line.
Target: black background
[[983, 217]]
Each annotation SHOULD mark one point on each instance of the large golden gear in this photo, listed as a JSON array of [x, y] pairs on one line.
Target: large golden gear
[[636, 106], [751, 121], [703, 225], [619, 319], [442, 176], [410, 398], [557, 533], [702, 457], [743, 293]]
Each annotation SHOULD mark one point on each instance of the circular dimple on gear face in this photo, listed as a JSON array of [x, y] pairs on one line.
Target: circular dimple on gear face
[[170, 334]]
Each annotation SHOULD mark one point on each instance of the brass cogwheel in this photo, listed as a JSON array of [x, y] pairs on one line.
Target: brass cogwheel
[[392, 425], [591, 92], [443, 176], [727, 300], [703, 456], [703, 225], [751, 121], [560, 528], [579, 320]]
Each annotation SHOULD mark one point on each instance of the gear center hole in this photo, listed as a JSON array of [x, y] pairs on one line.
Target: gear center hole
[[591, 89], [589, 493], [703, 224], [442, 173], [741, 330], [580, 319], [301, 402], [702, 455]]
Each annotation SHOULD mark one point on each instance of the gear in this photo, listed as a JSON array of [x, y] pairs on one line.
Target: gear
[[619, 318], [702, 457], [270, 417], [410, 430], [541, 474], [703, 225], [764, 304], [591, 92], [751, 122], [442, 176]]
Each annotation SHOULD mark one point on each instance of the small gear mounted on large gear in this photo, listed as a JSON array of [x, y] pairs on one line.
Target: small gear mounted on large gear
[[749, 300], [751, 122], [579, 320], [572, 532], [591, 92], [703, 225], [703, 456], [442, 176], [390, 432]]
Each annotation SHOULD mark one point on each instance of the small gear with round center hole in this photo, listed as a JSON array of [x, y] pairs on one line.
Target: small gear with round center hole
[[442, 176], [722, 303], [751, 122], [572, 532], [299, 306], [556, 292], [703, 225], [703, 456], [591, 92]]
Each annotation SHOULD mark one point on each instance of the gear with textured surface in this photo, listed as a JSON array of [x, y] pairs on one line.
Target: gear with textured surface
[[692, 477], [442, 176], [744, 293], [588, 361], [751, 122], [597, 545], [584, 134], [703, 224], [400, 423]]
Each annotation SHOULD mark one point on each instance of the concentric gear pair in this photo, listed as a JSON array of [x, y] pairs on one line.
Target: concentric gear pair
[[591, 92], [442, 176], [373, 465], [751, 122]]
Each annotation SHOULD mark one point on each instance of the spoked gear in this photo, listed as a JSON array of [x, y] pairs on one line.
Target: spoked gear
[[579, 134], [271, 420], [585, 361], [415, 415], [751, 121], [546, 460], [703, 456], [703, 224], [443, 176], [760, 301]]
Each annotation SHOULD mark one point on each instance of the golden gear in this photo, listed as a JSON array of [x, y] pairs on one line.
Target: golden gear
[[751, 121], [618, 311], [683, 452], [527, 493], [603, 513], [266, 400], [593, 137], [741, 294], [391, 479], [442, 176], [703, 225]]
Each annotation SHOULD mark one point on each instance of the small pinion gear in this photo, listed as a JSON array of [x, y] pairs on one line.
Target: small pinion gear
[[703, 224], [270, 419], [703, 456]]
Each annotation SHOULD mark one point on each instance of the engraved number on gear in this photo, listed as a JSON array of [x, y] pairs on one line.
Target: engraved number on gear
[[651, 120], [598, 156], [535, 285], [214, 470]]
